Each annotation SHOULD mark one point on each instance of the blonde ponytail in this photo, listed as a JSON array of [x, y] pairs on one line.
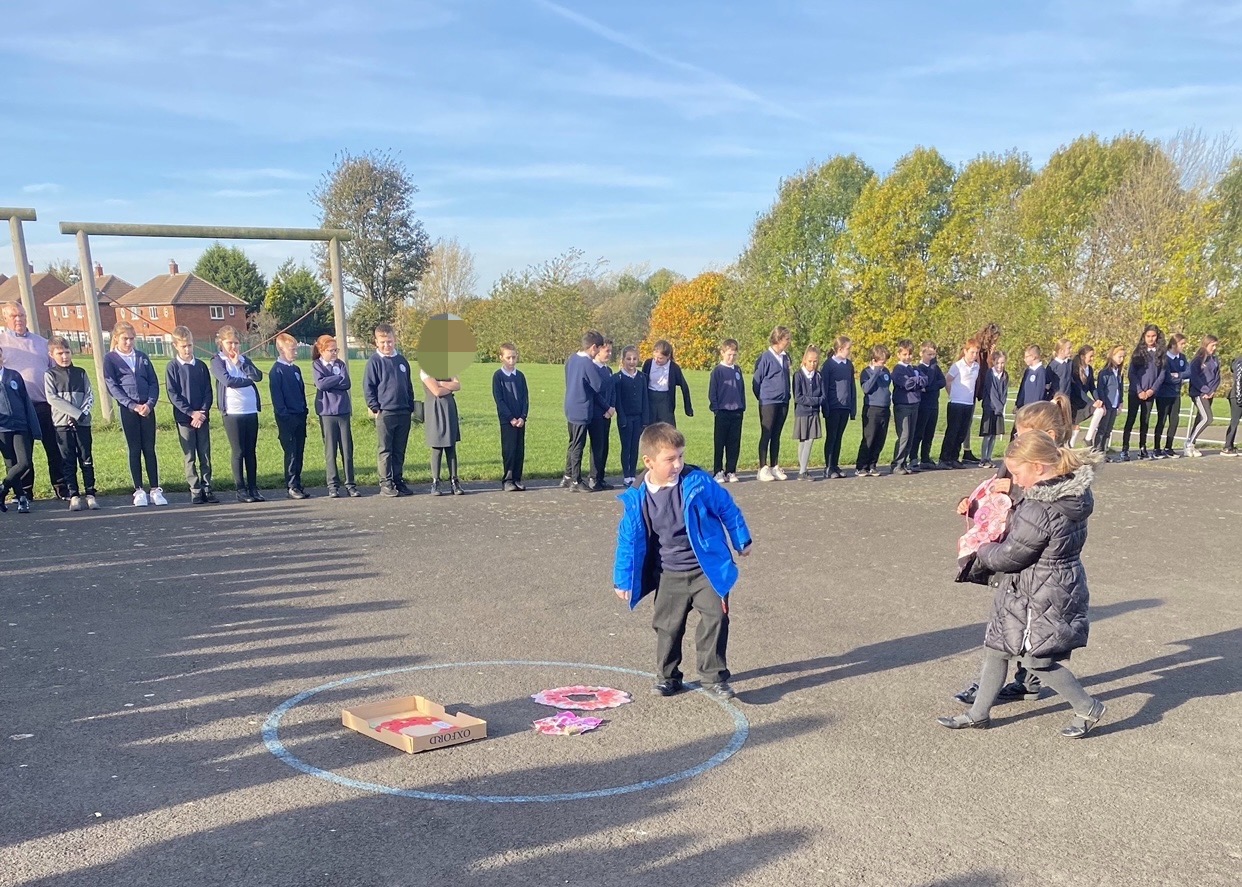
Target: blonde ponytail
[[1036, 447]]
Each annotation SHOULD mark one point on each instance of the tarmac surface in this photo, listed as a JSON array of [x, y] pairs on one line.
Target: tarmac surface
[[143, 650]]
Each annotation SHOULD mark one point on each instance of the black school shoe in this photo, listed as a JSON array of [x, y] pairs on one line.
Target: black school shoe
[[295, 493], [210, 498], [667, 687], [968, 456], [244, 497], [334, 493], [256, 496], [1011, 692], [353, 492], [403, 489], [964, 722], [1082, 724], [721, 690], [198, 499]]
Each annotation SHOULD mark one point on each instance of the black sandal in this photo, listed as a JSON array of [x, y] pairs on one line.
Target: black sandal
[[1083, 724]]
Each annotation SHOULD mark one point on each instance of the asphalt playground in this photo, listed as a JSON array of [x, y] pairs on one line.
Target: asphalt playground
[[172, 680]]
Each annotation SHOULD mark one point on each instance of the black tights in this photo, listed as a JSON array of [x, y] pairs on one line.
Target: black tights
[[439, 453], [771, 423], [243, 434], [1058, 677]]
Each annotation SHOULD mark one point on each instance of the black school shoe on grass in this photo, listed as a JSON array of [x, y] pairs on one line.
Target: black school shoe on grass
[[667, 687]]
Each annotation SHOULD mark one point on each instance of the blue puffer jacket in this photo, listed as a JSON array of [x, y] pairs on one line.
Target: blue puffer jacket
[[710, 514]]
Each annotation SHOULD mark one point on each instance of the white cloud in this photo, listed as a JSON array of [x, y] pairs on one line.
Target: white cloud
[[569, 173], [42, 188]]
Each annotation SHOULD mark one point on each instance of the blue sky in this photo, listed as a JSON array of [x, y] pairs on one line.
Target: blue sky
[[644, 133]]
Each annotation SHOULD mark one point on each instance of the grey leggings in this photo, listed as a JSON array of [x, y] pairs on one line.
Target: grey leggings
[[1058, 677]]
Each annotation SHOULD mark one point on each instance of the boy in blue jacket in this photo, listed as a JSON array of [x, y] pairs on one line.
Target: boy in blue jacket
[[674, 540]]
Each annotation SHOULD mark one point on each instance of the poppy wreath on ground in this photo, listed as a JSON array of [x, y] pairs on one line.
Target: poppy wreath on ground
[[597, 698], [565, 723]]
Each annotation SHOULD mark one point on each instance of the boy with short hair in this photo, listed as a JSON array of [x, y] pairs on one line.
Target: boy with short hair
[[664, 376], [908, 387], [291, 409], [876, 384], [929, 406], [582, 391], [674, 540], [601, 419], [512, 406], [633, 410], [1037, 383], [188, 382], [388, 387], [726, 398], [68, 391], [1061, 368]]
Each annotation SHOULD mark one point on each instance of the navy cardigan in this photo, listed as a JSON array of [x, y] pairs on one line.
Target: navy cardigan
[[220, 372], [134, 387]]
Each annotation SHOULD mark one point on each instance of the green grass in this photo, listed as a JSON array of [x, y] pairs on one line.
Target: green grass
[[478, 452]]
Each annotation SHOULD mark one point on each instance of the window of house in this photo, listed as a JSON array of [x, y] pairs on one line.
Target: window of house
[[168, 312], [217, 312], [153, 312], [79, 312], [232, 310], [64, 310]]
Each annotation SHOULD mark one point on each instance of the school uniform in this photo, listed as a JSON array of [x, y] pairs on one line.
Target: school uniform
[[995, 397], [334, 406], [633, 415], [876, 383], [929, 413], [1169, 399], [1061, 374], [189, 391], [726, 398], [962, 380], [1146, 373], [1108, 390], [69, 393], [1082, 393], [388, 388], [19, 426], [1037, 384], [770, 383], [808, 397], [512, 399], [1204, 380], [662, 382], [442, 431], [582, 391], [130, 379], [239, 403], [289, 404], [600, 429], [840, 406], [908, 387]]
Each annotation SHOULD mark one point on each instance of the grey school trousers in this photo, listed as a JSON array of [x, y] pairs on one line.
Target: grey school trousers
[[678, 594]]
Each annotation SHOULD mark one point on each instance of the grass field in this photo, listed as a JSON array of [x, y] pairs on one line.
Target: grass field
[[479, 451]]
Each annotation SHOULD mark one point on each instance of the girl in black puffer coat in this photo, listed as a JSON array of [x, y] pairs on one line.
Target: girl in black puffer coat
[[1039, 611]]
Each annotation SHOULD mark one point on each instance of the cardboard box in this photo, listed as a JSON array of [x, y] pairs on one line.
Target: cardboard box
[[429, 725]]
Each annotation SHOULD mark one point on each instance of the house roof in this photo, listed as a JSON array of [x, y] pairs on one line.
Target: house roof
[[42, 286], [178, 289], [109, 288]]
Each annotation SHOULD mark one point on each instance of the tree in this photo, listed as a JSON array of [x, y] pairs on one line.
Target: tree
[[624, 313], [788, 273], [689, 317], [450, 279], [892, 290], [660, 281], [229, 268], [541, 309], [65, 271], [298, 302], [371, 196], [1225, 254]]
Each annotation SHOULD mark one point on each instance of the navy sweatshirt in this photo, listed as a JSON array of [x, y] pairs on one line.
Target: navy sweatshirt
[[189, 388], [582, 384], [936, 382], [387, 385], [129, 387], [630, 398], [725, 389], [1176, 372], [1108, 387], [876, 385], [1062, 372], [1037, 384], [839, 390], [607, 398], [808, 394], [1204, 376], [676, 379], [17, 412], [666, 515], [995, 393], [288, 391], [908, 385], [1082, 391], [1146, 373], [770, 381], [511, 395], [332, 388]]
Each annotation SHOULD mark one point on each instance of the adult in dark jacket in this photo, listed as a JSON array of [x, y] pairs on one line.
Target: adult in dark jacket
[[1039, 609]]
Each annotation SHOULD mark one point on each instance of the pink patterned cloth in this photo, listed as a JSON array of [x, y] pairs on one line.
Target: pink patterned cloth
[[987, 514]]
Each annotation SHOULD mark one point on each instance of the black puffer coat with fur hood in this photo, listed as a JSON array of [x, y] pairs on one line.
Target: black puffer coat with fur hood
[[1040, 606]]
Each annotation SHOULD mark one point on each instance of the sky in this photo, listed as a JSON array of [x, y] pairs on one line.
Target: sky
[[647, 134]]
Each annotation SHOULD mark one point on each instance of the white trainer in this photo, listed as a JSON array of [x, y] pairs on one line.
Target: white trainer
[[765, 474], [75, 503], [720, 477], [140, 498], [778, 474], [157, 496], [733, 478], [91, 502]]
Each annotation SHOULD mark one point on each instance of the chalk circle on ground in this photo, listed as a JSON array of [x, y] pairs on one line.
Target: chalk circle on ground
[[274, 744]]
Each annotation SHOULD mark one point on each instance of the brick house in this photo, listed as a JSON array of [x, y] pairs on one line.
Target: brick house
[[42, 287], [68, 308], [176, 299]]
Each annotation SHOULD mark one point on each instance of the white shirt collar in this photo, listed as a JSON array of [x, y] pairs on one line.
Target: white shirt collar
[[654, 488], [509, 372]]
